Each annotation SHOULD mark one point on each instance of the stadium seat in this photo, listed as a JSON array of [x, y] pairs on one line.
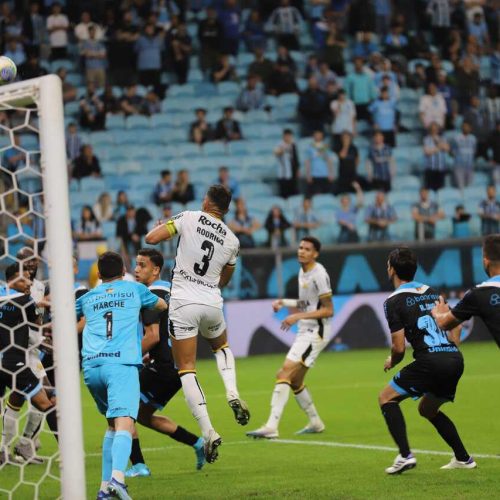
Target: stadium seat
[[255, 189], [185, 90], [195, 76], [108, 229], [62, 63], [406, 182], [89, 184], [114, 122], [174, 135], [72, 108], [138, 122], [288, 100], [228, 88], [256, 116], [161, 120], [104, 137], [215, 148]]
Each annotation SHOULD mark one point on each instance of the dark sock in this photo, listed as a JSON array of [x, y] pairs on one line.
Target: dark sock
[[136, 453], [51, 418], [449, 433], [397, 427], [184, 436]]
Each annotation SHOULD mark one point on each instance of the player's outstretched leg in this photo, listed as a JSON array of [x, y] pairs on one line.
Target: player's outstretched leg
[[10, 419], [227, 370], [107, 464], [389, 401], [26, 447], [304, 400], [139, 467], [429, 409]]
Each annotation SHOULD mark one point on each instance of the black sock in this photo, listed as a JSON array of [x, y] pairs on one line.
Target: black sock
[[184, 436], [397, 427], [51, 418], [136, 453], [449, 433]]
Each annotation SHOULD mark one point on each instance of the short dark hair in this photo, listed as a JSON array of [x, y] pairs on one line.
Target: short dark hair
[[11, 271], [220, 196], [491, 247], [288, 131], [314, 241], [110, 265], [404, 261], [163, 173], [153, 255]]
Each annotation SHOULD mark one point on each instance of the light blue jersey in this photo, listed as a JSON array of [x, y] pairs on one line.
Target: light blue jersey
[[111, 334]]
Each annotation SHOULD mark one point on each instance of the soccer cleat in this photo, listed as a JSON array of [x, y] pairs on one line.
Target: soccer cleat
[[27, 452], [118, 490], [138, 470], [210, 446], [263, 433], [240, 410], [312, 429], [457, 464], [401, 464], [199, 450], [103, 495], [9, 459]]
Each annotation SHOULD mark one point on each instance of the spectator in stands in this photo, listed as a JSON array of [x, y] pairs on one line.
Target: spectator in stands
[[360, 88], [86, 164], [183, 191], [131, 103], [313, 108], [57, 27], [70, 92], [432, 71], [489, 212], [284, 58], [417, 80], [325, 76], [463, 149], [181, 47], [480, 125], [163, 190], [15, 51], [243, 225], [347, 216], [34, 29], [285, 23], [92, 112], [152, 103], [348, 159], [149, 47], [230, 18], [312, 66], [110, 101], [200, 130], [333, 50], [436, 149], [493, 145], [460, 220], [448, 93], [426, 213], [229, 182], [466, 82], [318, 166], [396, 42], [432, 108], [252, 96], [383, 112], [31, 68], [224, 71], [343, 118], [88, 227], [495, 67], [210, 33], [305, 220], [227, 128], [129, 232], [281, 81], [440, 12], [383, 11], [82, 29], [95, 56], [478, 29], [74, 142], [121, 205], [254, 33], [13, 157], [103, 208], [276, 225], [365, 46], [379, 217], [287, 156], [380, 164], [261, 66]]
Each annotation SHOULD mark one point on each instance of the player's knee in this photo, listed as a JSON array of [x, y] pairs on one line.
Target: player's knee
[[283, 375], [426, 411], [383, 398]]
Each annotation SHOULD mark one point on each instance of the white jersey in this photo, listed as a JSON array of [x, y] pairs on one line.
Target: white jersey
[[313, 285], [206, 245]]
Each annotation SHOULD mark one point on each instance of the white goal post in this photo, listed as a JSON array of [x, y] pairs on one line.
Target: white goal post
[[46, 94]]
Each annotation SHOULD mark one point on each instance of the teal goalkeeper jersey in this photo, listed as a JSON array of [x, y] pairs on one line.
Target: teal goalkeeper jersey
[[112, 334]]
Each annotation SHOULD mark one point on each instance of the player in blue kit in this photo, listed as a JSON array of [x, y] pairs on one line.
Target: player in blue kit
[[112, 356]]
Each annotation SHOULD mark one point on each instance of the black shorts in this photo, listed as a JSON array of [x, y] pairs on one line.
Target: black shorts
[[24, 382], [436, 374], [159, 384]]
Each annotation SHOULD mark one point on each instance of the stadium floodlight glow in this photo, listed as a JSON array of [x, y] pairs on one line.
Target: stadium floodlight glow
[[40, 102]]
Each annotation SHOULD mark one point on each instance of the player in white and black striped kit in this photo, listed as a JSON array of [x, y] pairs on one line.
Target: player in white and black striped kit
[[206, 257], [315, 310]]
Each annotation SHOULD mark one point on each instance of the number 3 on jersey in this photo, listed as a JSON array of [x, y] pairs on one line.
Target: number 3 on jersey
[[208, 248], [109, 324]]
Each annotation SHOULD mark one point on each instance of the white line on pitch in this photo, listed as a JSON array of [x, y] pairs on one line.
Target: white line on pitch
[[331, 444]]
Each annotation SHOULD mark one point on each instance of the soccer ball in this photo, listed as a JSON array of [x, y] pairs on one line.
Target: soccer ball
[[8, 70]]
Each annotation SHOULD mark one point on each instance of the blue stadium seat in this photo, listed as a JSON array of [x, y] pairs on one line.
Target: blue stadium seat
[[205, 89], [104, 137], [62, 63], [195, 76], [260, 236], [288, 100], [475, 192], [444, 229], [256, 189], [186, 149], [138, 122], [326, 233], [129, 167], [89, 184], [215, 148], [414, 62], [262, 147], [29, 141], [239, 147], [108, 228], [72, 108], [185, 90], [114, 122], [450, 194], [75, 79], [174, 135], [256, 116], [117, 183], [284, 114], [161, 120], [228, 88]]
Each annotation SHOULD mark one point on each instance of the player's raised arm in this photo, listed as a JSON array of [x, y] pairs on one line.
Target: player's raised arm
[[325, 310], [162, 232]]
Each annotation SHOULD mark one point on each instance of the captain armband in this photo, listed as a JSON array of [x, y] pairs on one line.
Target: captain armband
[[172, 230]]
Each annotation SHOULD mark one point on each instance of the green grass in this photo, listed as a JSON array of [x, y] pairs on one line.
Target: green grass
[[345, 388]]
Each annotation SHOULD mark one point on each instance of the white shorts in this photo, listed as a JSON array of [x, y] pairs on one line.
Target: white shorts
[[36, 364], [186, 319], [307, 347]]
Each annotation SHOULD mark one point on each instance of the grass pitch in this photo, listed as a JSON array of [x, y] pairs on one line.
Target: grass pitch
[[347, 461]]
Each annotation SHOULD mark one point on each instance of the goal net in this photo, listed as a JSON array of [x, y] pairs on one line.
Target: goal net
[[38, 339]]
